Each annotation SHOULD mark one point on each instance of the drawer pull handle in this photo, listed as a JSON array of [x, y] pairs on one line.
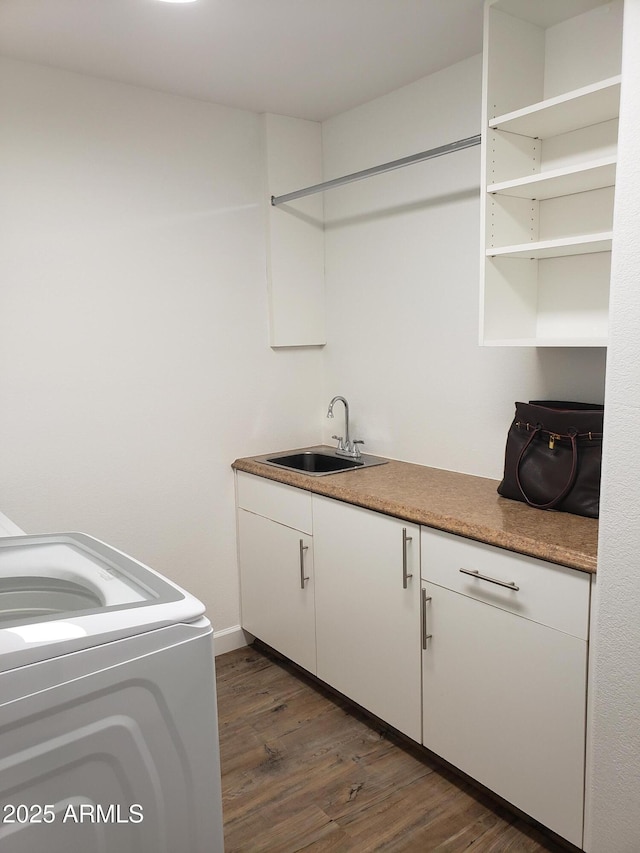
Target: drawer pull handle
[[303, 578], [405, 575], [476, 574], [425, 636]]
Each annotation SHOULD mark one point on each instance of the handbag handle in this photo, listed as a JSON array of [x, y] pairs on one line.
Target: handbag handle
[[572, 436]]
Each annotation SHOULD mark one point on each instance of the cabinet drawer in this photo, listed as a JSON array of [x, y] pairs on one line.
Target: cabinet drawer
[[285, 504], [548, 594]]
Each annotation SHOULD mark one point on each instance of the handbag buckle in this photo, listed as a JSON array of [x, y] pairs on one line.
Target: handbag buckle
[[552, 439]]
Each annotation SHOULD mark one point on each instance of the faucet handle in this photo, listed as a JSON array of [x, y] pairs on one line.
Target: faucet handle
[[340, 441], [356, 449]]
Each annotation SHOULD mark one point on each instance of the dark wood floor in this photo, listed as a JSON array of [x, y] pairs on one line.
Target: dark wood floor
[[302, 769]]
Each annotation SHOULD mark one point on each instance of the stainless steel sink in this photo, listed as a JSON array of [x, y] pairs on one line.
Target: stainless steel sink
[[318, 462]]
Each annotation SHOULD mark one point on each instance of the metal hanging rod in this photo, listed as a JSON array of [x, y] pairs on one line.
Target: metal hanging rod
[[461, 144]]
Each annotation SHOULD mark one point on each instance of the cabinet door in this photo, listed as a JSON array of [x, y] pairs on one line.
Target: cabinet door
[[277, 586], [367, 622], [504, 700]]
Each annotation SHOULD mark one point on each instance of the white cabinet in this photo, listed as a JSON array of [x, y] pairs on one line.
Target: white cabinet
[[344, 602], [368, 610], [483, 660], [504, 674], [275, 550], [551, 94]]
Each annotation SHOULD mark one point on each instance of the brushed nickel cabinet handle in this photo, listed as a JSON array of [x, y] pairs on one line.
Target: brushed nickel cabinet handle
[[405, 575], [303, 578], [476, 574], [425, 636]]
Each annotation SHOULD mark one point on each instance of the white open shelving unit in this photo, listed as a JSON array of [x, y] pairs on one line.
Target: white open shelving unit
[[551, 96]]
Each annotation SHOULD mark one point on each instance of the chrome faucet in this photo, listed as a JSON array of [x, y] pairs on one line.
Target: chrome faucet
[[346, 447]]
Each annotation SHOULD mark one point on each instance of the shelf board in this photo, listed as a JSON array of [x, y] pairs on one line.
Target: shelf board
[[558, 182], [564, 113], [562, 247], [545, 342]]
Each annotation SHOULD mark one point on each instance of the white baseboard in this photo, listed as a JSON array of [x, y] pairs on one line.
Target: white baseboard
[[230, 639]]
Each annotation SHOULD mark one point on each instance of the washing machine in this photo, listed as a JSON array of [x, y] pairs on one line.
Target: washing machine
[[108, 721]]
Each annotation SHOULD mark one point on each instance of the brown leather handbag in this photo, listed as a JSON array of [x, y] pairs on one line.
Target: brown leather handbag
[[553, 456]]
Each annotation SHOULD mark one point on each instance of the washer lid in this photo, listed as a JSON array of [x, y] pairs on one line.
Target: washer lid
[[62, 592]]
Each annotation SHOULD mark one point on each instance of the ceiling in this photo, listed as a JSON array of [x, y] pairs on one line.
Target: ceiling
[[306, 58]]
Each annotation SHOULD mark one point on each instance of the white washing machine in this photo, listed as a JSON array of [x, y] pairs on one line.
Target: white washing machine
[[108, 721]]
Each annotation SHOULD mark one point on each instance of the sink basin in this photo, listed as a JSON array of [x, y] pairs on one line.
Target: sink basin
[[319, 462], [315, 463]]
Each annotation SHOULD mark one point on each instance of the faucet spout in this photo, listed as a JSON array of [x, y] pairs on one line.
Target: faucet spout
[[346, 447]]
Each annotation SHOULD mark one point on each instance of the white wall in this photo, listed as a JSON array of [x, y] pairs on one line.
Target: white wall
[[402, 265], [134, 364], [613, 783], [134, 357]]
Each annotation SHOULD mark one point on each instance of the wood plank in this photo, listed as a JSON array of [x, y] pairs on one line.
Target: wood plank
[[304, 769]]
